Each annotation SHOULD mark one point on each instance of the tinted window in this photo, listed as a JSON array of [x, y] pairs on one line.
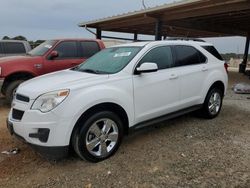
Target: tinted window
[[213, 51], [67, 50], [14, 48], [1, 49], [187, 55], [89, 48], [162, 56]]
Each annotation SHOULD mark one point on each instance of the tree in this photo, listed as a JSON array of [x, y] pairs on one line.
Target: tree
[[6, 38], [19, 38]]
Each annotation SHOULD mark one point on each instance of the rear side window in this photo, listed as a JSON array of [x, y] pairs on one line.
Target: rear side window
[[88, 48], [188, 55], [14, 48], [162, 56], [66, 49], [213, 51]]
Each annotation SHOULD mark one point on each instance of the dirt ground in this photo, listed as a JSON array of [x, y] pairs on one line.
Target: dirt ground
[[184, 152]]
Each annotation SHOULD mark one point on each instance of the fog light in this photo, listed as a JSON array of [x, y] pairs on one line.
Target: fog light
[[42, 135]]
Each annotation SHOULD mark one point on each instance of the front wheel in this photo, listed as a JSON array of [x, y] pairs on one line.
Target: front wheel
[[213, 102], [11, 89], [98, 137]]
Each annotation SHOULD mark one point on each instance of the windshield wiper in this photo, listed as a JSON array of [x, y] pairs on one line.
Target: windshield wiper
[[90, 71]]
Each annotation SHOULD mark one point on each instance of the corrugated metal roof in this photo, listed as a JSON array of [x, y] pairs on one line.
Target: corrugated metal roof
[[142, 11], [191, 18]]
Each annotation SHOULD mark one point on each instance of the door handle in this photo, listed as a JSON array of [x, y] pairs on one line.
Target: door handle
[[204, 69], [173, 76]]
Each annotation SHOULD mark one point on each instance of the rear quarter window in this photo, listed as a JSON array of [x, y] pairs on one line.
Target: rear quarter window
[[14, 48], [212, 50]]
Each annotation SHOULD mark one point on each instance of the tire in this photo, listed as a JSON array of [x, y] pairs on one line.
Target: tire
[[213, 103], [91, 136], [10, 90]]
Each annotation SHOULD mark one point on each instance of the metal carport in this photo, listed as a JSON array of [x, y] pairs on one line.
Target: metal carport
[[191, 18]]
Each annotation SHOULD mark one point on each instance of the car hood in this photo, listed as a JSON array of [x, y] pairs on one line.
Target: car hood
[[16, 59], [66, 79]]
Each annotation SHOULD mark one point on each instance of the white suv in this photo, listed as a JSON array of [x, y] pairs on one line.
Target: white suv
[[91, 107]]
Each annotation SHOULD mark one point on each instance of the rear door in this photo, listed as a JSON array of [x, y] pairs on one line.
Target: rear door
[[88, 49], [193, 71], [68, 56], [156, 93]]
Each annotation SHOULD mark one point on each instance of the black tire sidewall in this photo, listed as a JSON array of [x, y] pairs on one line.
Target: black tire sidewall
[[80, 142], [206, 103], [10, 89]]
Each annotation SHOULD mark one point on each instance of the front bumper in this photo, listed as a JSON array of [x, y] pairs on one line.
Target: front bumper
[[47, 133], [50, 153]]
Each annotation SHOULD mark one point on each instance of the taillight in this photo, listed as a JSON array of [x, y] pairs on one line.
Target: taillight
[[226, 67]]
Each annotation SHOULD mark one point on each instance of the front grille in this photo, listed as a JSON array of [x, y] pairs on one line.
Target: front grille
[[22, 98], [17, 114]]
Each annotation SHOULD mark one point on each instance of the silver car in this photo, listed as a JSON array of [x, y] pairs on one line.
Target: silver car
[[13, 47]]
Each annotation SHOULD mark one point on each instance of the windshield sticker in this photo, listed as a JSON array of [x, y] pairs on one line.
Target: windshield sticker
[[48, 46], [123, 54]]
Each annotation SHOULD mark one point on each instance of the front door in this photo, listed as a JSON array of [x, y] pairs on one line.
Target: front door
[[156, 93], [67, 57]]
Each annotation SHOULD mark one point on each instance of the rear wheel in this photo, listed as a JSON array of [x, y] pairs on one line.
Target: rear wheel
[[98, 137], [11, 89], [213, 102]]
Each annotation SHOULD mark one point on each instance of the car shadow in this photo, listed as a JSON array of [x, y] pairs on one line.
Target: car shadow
[[3, 102]]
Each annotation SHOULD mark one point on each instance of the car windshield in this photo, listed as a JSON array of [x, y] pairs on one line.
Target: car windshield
[[42, 48], [109, 61]]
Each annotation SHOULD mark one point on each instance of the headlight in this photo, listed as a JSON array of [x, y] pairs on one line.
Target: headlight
[[49, 101]]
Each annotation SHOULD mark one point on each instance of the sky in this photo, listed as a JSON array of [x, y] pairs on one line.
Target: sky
[[48, 19]]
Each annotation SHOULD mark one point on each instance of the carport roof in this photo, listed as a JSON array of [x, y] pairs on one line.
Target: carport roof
[[191, 18]]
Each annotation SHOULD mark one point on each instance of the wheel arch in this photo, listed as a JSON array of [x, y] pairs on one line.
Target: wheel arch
[[216, 84], [16, 76], [106, 106]]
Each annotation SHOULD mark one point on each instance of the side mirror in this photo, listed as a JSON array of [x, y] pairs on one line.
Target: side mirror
[[146, 67], [53, 55]]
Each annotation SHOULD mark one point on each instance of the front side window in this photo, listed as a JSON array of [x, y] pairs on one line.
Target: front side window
[[109, 61], [42, 48], [66, 49], [88, 48], [162, 56], [14, 48], [188, 55]]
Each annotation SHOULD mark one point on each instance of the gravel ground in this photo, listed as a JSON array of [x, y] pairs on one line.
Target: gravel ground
[[184, 152]]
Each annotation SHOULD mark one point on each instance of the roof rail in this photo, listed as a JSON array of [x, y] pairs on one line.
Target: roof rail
[[185, 38]]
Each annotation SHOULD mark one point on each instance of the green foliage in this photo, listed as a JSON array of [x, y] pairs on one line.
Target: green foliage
[[33, 44], [228, 56], [19, 38], [6, 38]]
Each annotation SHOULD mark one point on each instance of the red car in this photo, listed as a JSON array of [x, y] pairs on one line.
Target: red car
[[52, 55]]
